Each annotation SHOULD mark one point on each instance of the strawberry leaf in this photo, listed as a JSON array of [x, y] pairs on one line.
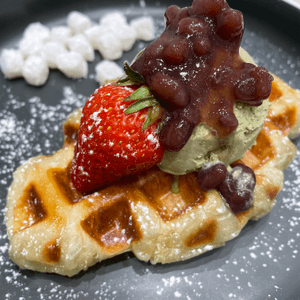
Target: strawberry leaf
[[140, 104], [147, 122], [133, 75], [132, 78], [153, 115], [140, 93], [156, 112], [126, 82]]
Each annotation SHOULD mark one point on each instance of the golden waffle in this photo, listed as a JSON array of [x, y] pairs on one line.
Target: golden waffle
[[53, 228]]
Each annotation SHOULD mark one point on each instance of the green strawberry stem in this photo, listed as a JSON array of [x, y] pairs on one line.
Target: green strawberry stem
[[142, 96], [154, 114], [140, 93], [132, 78], [140, 104]]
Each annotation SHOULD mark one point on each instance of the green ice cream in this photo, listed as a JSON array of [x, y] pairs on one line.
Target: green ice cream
[[204, 147]]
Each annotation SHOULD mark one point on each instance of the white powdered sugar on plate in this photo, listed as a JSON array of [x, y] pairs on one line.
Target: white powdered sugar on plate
[[21, 139]]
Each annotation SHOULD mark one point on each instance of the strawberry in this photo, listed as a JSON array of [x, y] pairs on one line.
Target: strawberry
[[117, 136]]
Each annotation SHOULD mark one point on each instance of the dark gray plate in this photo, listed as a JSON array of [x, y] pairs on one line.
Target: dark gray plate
[[262, 263]]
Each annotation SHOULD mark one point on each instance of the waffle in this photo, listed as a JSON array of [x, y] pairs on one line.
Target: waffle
[[53, 228]]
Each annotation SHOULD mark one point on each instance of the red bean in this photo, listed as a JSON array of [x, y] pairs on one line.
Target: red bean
[[211, 176], [253, 85], [177, 51], [175, 142], [171, 13], [263, 82], [191, 113], [208, 7], [229, 121], [201, 45], [184, 13], [155, 49], [190, 26], [171, 90], [238, 187], [230, 24]]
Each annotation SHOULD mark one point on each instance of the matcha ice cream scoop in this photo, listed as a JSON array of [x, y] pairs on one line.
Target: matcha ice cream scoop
[[204, 146]]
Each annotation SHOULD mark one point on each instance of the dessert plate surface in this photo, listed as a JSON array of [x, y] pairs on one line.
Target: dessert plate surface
[[262, 263]]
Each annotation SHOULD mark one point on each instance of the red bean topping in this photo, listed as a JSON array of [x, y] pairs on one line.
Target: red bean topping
[[230, 24], [238, 187], [183, 131], [201, 45], [219, 77], [190, 26], [176, 51], [211, 176], [228, 120], [195, 70], [263, 82], [170, 89], [184, 13], [190, 114], [245, 90], [208, 7], [171, 14], [253, 85], [155, 50]]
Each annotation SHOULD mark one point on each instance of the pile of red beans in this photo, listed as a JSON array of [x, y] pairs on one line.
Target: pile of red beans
[[195, 71]]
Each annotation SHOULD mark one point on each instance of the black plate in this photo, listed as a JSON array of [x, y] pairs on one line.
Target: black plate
[[262, 263]]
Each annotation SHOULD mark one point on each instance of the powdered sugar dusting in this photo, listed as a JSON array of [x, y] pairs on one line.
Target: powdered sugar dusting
[[40, 132]]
